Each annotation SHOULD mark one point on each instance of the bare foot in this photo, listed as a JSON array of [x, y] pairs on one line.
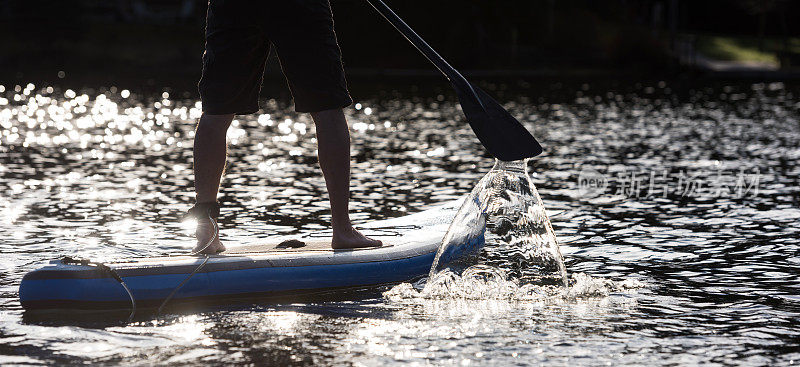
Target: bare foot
[[351, 238], [205, 231]]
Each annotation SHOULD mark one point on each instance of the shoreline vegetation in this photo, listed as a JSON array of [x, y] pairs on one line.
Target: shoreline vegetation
[[112, 51], [159, 44]]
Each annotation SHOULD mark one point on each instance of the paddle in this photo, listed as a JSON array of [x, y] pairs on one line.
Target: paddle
[[499, 132]]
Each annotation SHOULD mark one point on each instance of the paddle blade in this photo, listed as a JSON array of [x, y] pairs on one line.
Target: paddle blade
[[502, 135]]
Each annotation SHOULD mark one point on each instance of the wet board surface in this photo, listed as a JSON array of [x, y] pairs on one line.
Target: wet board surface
[[294, 245]]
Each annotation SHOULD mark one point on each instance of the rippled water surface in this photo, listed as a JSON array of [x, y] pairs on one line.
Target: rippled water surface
[[677, 215]]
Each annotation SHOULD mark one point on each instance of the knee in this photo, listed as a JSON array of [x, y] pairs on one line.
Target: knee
[[329, 119], [214, 124]]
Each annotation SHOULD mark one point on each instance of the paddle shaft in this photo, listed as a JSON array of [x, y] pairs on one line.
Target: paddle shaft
[[499, 132], [451, 73]]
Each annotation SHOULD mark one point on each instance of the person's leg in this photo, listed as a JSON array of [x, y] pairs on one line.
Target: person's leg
[[233, 66], [333, 142], [210, 153], [303, 35]]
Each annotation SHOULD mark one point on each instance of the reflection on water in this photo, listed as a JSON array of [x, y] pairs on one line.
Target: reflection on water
[[681, 278]]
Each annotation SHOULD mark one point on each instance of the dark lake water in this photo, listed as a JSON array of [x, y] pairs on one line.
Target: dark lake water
[[678, 216]]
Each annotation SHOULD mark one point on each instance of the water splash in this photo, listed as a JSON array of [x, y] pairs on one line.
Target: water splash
[[483, 282], [520, 258], [504, 208]]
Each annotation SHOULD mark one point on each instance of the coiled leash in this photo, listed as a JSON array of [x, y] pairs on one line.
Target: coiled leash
[[200, 211], [86, 262]]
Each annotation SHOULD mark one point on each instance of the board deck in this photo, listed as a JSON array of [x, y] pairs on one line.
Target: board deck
[[293, 245]]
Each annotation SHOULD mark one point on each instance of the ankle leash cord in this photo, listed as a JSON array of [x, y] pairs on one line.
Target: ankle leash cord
[[110, 271], [211, 211]]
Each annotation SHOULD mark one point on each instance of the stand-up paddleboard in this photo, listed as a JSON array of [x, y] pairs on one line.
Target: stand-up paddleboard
[[278, 267]]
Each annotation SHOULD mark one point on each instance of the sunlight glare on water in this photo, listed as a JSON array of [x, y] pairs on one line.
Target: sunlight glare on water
[[685, 277]]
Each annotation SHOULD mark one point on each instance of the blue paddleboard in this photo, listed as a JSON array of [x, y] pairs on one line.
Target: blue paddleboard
[[282, 266]]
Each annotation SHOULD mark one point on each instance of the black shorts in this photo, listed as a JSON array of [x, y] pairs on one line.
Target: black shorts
[[238, 38]]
